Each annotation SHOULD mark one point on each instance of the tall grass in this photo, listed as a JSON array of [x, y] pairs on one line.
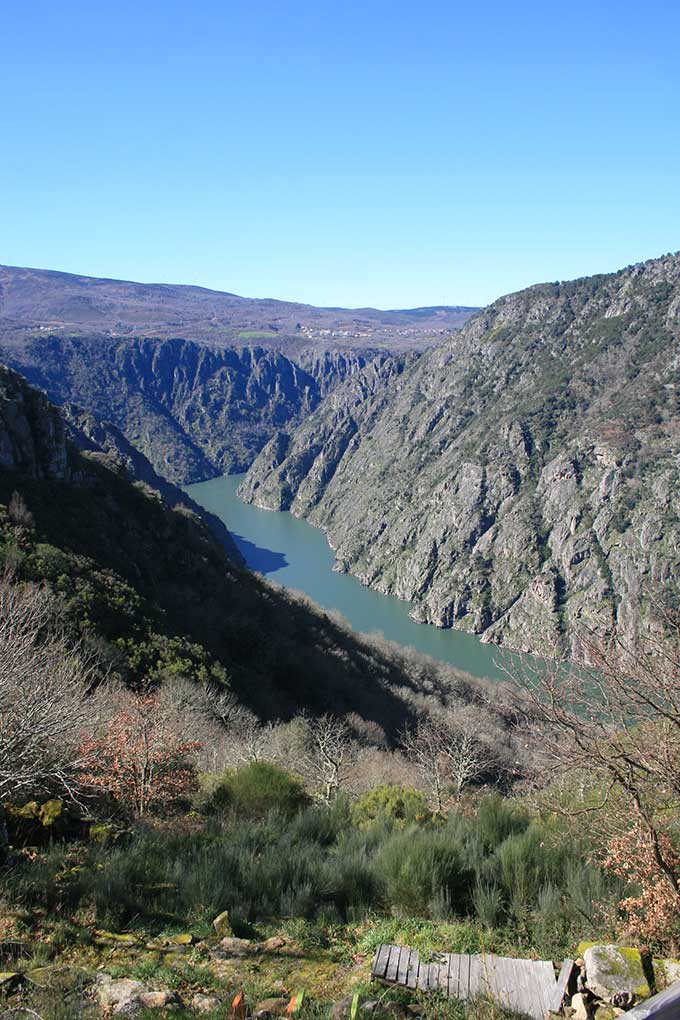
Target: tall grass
[[497, 867]]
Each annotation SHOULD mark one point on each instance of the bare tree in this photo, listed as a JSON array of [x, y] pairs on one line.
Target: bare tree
[[446, 752], [327, 754], [616, 724], [44, 703]]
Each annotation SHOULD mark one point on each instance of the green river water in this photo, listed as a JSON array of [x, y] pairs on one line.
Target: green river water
[[295, 554]]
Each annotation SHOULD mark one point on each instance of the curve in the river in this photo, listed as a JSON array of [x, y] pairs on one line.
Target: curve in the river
[[296, 554]]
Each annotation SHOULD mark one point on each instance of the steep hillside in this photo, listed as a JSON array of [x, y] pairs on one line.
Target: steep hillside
[[152, 592], [520, 480], [38, 298], [194, 411]]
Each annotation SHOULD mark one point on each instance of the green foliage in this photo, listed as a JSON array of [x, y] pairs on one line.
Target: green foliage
[[399, 804], [258, 789], [423, 869]]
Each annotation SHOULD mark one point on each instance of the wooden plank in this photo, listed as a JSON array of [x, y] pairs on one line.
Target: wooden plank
[[402, 971], [444, 973], [454, 972], [393, 964], [433, 976], [476, 983], [380, 962], [423, 976], [566, 971], [528, 988], [544, 973], [412, 974]]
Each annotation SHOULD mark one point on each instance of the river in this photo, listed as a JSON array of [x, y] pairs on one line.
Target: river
[[293, 553]]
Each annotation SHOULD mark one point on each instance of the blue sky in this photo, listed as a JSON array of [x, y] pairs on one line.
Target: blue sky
[[393, 154]]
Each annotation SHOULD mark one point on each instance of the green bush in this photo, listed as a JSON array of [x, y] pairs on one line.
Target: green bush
[[399, 804], [422, 868], [258, 789]]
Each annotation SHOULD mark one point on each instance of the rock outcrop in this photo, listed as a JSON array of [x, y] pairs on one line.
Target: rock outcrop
[[193, 411], [519, 481]]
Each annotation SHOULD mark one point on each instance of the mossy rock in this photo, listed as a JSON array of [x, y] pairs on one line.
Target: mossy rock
[[101, 832], [666, 972], [222, 924], [613, 970], [184, 939]]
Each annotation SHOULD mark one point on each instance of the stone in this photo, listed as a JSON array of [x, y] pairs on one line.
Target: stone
[[181, 940], [131, 1007], [222, 924], [159, 1000], [113, 992], [607, 1012], [205, 1003], [615, 971], [579, 1010], [340, 1009], [231, 946], [666, 972], [274, 1006], [272, 945]]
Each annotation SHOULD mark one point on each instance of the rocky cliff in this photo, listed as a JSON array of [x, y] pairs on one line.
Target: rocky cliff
[[193, 411], [520, 480]]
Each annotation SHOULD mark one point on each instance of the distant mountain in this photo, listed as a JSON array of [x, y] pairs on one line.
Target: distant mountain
[[33, 299], [522, 479]]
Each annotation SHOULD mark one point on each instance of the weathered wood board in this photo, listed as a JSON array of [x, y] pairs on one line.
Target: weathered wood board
[[528, 986]]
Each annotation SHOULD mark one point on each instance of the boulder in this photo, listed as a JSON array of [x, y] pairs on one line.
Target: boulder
[[579, 1010], [204, 1003], [111, 992], [615, 974], [666, 972], [159, 1000], [233, 947], [222, 924], [272, 945]]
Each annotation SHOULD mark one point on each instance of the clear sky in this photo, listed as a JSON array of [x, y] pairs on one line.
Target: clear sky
[[392, 154]]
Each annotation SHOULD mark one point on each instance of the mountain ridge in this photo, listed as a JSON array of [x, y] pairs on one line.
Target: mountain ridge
[[509, 481]]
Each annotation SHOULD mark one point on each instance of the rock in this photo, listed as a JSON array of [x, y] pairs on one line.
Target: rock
[[131, 1007], [340, 1009], [204, 1003], [262, 1014], [113, 992], [369, 1007], [615, 971], [159, 1000], [274, 1006], [607, 1012], [666, 972], [181, 940], [222, 925], [272, 945], [231, 946], [579, 1009]]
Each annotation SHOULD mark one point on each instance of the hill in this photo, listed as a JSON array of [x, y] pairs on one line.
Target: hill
[[32, 299], [152, 591], [521, 479]]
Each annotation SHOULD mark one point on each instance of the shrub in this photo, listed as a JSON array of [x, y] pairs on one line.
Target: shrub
[[258, 789], [423, 866], [400, 804]]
